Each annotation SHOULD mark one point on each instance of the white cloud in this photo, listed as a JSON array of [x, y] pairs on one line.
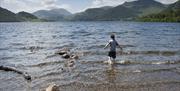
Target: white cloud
[[34, 5], [13, 5], [167, 1], [52, 4], [31, 5], [100, 3], [48, 2]]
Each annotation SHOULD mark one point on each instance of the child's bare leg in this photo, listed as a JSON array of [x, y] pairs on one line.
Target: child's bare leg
[[110, 60], [113, 60]]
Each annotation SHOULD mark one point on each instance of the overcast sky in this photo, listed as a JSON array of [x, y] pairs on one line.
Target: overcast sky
[[70, 5]]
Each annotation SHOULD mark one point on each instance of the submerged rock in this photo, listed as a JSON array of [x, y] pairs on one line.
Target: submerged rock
[[65, 53]]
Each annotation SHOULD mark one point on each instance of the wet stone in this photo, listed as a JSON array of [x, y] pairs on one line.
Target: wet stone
[[74, 57], [66, 56], [28, 78], [52, 87], [62, 52], [71, 63]]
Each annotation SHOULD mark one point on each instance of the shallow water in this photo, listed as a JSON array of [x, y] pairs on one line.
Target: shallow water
[[150, 60]]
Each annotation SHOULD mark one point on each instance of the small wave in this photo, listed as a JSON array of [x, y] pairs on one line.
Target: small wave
[[86, 85], [49, 74], [51, 56], [2, 49], [125, 62], [101, 46], [84, 53], [173, 69], [137, 71], [66, 45], [159, 70], [32, 48], [128, 62], [90, 70], [163, 53], [93, 62], [156, 53], [17, 44], [124, 46], [87, 34], [6, 58], [145, 62], [167, 62], [154, 70], [45, 64], [95, 46], [59, 75]]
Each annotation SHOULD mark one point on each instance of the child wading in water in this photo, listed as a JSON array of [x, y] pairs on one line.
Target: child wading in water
[[113, 44]]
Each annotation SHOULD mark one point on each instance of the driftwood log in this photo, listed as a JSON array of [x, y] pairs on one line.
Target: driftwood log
[[25, 75]]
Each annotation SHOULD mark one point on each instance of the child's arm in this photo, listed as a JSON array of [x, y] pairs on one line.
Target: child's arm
[[119, 46], [107, 45]]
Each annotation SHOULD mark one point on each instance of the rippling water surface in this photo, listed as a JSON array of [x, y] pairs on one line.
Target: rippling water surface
[[150, 60]]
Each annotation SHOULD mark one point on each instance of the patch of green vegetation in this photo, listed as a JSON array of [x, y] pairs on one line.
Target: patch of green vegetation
[[171, 14], [167, 16]]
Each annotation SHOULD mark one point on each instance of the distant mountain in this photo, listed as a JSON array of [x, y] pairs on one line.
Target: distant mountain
[[175, 6], [24, 16], [145, 7], [170, 14], [120, 13], [7, 16], [143, 10], [52, 15], [91, 14], [106, 7], [126, 11]]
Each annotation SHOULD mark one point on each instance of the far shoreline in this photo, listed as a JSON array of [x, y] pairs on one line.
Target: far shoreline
[[88, 21]]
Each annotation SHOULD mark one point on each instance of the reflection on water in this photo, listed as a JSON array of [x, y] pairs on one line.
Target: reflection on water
[[150, 60], [111, 74]]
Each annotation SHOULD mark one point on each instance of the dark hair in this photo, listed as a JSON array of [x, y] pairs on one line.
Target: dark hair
[[112, 36]]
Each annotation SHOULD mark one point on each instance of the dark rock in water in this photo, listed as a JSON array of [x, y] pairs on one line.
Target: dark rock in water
[[62, 52], [74, 56], [62, 69], [27, 76], [66, 56]]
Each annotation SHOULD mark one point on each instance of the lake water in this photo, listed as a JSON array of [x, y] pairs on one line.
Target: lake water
[[150, 60]]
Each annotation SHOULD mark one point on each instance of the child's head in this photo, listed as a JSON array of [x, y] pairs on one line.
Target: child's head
[[112, 36]]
